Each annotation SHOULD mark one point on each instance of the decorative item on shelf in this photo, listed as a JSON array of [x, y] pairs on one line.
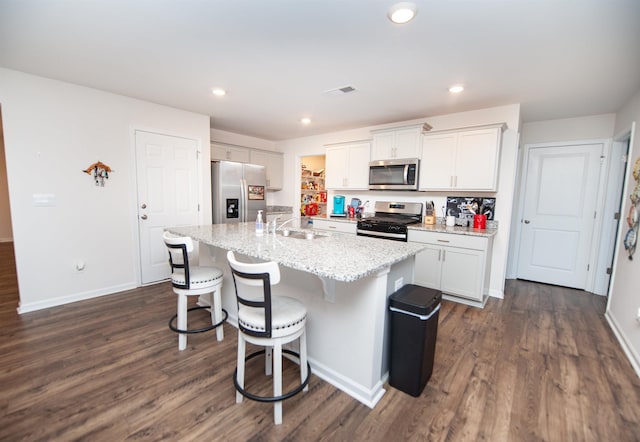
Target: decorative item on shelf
[[99, 171], [633, 218]]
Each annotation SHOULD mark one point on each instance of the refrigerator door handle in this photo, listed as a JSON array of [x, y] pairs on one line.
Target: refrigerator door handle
[[243, 202]]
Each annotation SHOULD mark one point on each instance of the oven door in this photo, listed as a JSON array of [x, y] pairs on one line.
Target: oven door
[[393, 175]]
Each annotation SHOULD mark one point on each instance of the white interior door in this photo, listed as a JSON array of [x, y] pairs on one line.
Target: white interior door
[[167, 175], [560, 197]]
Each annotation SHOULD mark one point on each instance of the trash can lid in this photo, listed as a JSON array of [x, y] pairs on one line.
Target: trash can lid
[[415, 299]]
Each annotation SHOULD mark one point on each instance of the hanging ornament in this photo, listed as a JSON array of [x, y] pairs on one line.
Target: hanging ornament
[[99, 171]]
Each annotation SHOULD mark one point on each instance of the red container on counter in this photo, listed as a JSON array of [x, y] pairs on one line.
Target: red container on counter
[[480, 222]]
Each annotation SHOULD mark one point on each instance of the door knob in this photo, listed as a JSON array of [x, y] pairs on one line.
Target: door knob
[[143, 206], [526, 221], [144, 217]]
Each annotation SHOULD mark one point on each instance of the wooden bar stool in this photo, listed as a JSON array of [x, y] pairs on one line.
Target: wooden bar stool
[[268, 321], [188, 280]]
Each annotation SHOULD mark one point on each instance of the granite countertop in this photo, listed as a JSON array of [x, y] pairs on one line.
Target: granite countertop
[[340, 256], [438, 227]]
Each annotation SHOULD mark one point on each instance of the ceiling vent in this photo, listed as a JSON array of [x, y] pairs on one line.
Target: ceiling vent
[[341, 90]]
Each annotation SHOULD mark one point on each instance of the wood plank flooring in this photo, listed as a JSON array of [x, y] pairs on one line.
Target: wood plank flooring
[[540, 365]]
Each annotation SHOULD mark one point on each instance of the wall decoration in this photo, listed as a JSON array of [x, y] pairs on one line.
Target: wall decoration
[[99, 171], [633, 219]]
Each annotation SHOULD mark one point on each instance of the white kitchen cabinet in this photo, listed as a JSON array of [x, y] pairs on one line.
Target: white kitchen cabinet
[[225, 152], [461, 159], [458, 265], [273, 164], [400, 142], [335, 226], [347, 165]]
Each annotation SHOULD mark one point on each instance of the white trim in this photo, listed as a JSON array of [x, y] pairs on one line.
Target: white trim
[[61, 300], [634, 358]]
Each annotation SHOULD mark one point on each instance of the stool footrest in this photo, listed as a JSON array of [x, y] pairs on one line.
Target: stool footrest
[[198, 330], [287, 395]]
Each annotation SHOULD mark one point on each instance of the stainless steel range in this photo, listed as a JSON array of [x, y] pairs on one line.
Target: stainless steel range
[[391, 220]]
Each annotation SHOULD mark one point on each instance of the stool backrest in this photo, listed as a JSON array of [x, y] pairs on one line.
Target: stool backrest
[[179, 248], [263, 274]]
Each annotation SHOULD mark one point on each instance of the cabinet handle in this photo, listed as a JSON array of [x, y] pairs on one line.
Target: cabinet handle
[[439, 254], [451, 181], [526, 221], [332, 227], [443, 240], [444, 254]]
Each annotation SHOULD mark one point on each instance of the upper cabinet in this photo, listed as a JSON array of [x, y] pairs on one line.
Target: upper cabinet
[[347, 165], [398, 142], [273, 163], [461, 159], [227, 152]]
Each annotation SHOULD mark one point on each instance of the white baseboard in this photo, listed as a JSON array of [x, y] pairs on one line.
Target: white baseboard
[[632, 355], [368, 397], [496, 293], [39, 305]]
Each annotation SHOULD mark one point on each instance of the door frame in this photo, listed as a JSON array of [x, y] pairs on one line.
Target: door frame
[[133, 195], [597, 226]]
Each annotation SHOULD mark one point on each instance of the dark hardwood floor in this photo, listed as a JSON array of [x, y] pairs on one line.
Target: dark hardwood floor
[[542, 364]]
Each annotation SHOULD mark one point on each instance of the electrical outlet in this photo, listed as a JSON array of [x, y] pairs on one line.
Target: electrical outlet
[[399, 284]]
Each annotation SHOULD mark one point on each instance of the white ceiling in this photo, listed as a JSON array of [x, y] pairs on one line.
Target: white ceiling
[[558, 58]]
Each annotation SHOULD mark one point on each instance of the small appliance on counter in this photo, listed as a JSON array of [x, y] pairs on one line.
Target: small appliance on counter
[[338, 206], [429, 213]]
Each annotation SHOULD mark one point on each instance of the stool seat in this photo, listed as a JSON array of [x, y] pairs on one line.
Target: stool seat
[[199, 277], [288, 315]]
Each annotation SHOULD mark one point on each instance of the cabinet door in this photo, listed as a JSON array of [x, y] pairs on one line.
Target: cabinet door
[[336, 164], [437, 164], [427, 267], [335, 226], [229, 153], [383, 144], [462, 272], [408, 143], [477, 159], [357, 173], [273, 167]]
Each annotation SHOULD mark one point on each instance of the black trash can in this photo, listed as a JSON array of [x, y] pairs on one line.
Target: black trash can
[[414, 314]]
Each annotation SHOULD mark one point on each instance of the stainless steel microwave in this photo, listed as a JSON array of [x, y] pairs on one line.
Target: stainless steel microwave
[[394, 174]]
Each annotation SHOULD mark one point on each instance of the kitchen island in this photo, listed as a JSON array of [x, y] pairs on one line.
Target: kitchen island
[[344, 282]]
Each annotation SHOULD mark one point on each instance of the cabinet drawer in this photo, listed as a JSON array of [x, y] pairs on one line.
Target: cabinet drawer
[[334, 226], [449, 239]]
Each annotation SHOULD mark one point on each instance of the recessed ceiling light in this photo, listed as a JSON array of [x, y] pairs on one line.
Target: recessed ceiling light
[[456, 89], [402, 12], [218, 92], [305, 120]]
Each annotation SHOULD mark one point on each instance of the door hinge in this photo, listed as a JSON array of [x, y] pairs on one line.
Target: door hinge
[[587, 267], [609, 270], [198, 207], [616, 215], [594, 214]]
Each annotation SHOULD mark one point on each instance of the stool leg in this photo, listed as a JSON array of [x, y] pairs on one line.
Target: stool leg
[[216, 311], [268, 360], [240, 365], [182, 321], [277, 382], [303, 359]]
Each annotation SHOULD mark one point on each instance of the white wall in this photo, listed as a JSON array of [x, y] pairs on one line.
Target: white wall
[[52, 132], [624, 297], [6, 233], [296, 148]]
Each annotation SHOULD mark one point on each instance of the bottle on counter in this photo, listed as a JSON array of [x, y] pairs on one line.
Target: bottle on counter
[[259, 224]]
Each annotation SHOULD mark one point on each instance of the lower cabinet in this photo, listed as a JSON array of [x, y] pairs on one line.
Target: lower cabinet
[[458, 265], [335, 226]]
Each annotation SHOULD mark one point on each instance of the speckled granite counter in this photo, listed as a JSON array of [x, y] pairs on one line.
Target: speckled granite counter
[[336, 256]]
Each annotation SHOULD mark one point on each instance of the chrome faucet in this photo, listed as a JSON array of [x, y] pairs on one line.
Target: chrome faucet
[[275, 223]]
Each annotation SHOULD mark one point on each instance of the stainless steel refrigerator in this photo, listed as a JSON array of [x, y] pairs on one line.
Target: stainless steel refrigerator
[[238, 191]]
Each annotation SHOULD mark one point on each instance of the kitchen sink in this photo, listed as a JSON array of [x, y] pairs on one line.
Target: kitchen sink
[[309, 235]]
